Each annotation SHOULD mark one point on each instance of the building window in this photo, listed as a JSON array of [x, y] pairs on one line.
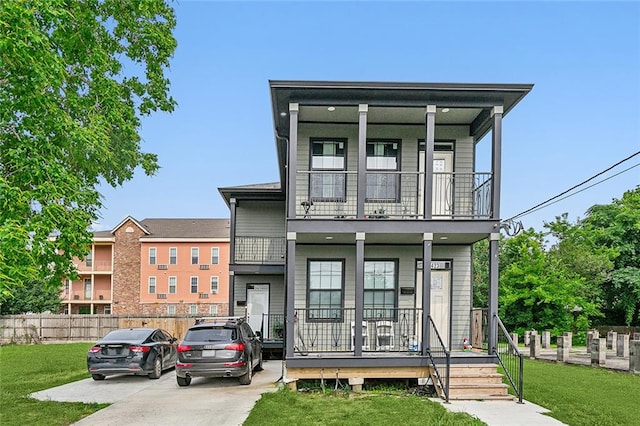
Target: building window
[[193, 309], [215, 255], [213, 310], [107, 310], [67, 286], [194, 255], [88, 260], [87, 288], [328, 155], [383, 156], [171, 309], [152, 255], [326, 284], [214, 285], [194, 285], [152, 285], [380, 289], [173, 256], [172, 285]]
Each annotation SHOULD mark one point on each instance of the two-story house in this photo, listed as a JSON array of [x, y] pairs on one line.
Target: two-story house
[[154, 267], [377, 182]]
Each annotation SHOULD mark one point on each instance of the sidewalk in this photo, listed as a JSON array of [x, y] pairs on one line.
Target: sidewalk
[[503, 413]]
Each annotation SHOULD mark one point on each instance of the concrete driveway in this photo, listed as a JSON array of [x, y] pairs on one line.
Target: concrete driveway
[[138, 400]]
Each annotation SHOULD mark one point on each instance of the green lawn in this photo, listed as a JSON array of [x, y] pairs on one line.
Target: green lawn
[[288, 408], [26, 369], [582, 395]]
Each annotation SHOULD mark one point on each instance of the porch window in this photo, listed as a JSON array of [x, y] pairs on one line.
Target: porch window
[[327, 156], [326, 286], [383, 156], [380, 289]]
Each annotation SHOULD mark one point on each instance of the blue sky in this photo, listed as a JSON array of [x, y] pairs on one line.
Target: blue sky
[[582, 116]]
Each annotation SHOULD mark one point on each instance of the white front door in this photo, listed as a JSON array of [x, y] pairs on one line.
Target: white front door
[[257, 305], [440, 301], [442, 189]]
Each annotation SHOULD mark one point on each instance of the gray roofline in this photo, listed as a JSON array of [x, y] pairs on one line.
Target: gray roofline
[[309, 84]]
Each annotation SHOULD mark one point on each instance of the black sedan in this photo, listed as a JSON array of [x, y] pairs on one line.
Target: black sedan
[[139, 351]]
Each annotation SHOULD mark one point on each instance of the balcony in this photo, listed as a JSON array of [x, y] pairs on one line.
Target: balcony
[[393, 195], [260, 250]]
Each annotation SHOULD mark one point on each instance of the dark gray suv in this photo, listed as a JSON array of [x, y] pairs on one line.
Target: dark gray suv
[[219, 347]]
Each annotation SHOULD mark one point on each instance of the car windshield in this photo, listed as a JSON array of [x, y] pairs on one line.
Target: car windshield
[[127, 335], [211, 334]]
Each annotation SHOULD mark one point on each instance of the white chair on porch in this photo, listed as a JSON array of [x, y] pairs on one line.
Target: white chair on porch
[[385, 338], [365, 336]]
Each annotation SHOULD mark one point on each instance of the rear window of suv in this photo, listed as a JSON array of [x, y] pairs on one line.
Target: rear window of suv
[[213, 334]]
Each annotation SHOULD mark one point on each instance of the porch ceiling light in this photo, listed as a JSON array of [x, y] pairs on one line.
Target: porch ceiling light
[[283, 114], [331, 108], [444, 238], [328, 238], [445, 109]]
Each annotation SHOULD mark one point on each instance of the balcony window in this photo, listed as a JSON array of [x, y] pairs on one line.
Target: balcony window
[[87, 288], [172, 285], [327, 156], [88, 260], [173, 256], [152, 255], [380, 289], [194, 255], [383, 156], [326, 286]]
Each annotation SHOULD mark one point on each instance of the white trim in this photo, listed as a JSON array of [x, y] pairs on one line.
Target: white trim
[[138, 224]]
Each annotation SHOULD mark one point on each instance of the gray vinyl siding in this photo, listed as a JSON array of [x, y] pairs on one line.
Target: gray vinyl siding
[[406, 255], [260, 219], [276, 291]]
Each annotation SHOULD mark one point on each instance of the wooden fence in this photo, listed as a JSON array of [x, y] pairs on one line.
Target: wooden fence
[[81, 328]]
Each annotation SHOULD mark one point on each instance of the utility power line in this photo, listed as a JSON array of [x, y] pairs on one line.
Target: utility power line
[[548, 202]]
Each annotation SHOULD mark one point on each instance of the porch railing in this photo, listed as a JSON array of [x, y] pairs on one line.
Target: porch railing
[[510, 359], [392, 195], [333, 330], [260, 250], [440, 359], [272, 327]]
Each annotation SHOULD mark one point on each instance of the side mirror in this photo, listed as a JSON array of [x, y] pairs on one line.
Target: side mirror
[[258, 335]]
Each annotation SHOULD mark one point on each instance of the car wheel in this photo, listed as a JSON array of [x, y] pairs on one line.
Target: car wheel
[[259, 367], [245, 379], [183, 381], [157, 368], [97, 377]]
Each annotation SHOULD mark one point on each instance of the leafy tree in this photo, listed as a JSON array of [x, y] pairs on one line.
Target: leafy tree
[[538, 292], [481, 274], [34, 296], [616, 226], [75, 79]]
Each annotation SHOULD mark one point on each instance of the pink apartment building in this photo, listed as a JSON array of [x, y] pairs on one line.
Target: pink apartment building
[[154, 266]]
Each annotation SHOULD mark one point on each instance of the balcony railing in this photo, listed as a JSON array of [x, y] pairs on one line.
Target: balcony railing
[[393, 195], [333, 330], [261, 250]]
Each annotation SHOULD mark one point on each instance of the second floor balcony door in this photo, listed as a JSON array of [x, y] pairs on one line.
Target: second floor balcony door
[[442, 191]]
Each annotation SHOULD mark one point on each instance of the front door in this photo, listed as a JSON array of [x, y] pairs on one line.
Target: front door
[[257, 305], [440, 297]]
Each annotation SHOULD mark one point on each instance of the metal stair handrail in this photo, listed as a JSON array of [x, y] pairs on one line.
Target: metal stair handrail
[[510, 358], [442, 350]]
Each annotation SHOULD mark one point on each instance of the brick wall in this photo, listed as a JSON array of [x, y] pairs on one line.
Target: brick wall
[[204, 309], [126, 269]]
